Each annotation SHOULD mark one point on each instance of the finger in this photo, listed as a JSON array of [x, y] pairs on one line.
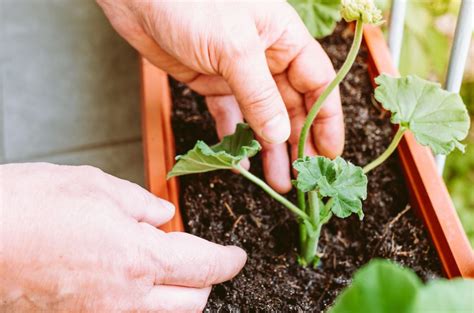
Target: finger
[[226, 113], [138, 203], [294, 102], [284, 46], [210, 85], [190, 261], [144, 43], [328, 127], [176, 299], [309, 150], [257, 94], [310, 73], [276, 166]]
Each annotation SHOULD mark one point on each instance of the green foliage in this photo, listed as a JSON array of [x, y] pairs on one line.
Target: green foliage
[[337, 179], [436, 117], [319, 16], [454, 296], [225, 155], [384, 287]]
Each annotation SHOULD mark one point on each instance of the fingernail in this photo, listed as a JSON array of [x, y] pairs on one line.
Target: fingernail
[[277, 129]]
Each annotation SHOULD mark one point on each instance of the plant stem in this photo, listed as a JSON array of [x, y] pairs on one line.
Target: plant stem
[[317, 106], [327, 213], [275, 195], [314, 207], [384, 156], [302, 205], [311, 246], [351, 56]]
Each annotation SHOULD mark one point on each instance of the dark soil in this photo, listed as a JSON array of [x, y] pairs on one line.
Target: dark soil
[[225, 208]]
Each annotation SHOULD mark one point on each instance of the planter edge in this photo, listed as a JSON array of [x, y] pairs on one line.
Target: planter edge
[[428, 192], [158, 139]]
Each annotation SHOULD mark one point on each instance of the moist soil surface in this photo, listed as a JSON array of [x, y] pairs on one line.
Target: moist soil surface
[[225, 208]]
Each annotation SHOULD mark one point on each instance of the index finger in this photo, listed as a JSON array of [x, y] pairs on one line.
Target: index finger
[[310, 73], [190, 261]]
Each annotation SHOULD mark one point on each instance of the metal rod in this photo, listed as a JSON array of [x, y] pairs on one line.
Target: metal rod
[[395, 32], [458, 57]]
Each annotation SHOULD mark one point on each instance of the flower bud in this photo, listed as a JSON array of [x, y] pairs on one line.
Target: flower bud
[[363, 10]]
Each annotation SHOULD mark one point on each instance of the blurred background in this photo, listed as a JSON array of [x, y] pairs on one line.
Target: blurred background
[[70, 91], [427, 40], [70, 87]]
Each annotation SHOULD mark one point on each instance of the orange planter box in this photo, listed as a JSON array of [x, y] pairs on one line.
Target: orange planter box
[[428, 193]]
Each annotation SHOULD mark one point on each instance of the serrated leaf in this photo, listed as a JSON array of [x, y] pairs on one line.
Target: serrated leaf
[[342, 181], [319, 16], [224, 155], [436, 117], [311, 170]]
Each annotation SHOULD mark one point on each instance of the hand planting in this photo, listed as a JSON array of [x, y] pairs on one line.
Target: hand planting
[[326, 187]]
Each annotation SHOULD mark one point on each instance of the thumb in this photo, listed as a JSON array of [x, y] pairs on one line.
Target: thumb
[[256, 92]]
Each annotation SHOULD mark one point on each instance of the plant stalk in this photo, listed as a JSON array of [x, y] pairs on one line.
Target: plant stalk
[[275, 195], [311, 246], [351, 56], [301, 198], [386, 154]]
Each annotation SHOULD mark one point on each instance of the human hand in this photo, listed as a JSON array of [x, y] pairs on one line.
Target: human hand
[[75, 239], [251, 60]]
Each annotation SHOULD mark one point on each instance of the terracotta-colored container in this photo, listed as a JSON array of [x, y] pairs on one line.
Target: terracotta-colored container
[[428, 193]]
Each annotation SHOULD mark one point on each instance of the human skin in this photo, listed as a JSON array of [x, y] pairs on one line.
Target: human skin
[[74, 239], [252, 60]]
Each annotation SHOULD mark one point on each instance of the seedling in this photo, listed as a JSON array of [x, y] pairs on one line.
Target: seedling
[[384, 287], [326, 187]]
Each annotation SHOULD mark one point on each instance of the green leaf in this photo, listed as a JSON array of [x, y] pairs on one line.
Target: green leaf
[[311, 170], [342, 181], [436, 117], [224, 155], [384, 287], [379, 287], [319, 16], [454, 296]]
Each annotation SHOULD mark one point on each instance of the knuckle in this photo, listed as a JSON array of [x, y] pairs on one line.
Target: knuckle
[[295, 111], [137, 265], [223, 108], [261, 100], [216, 108]]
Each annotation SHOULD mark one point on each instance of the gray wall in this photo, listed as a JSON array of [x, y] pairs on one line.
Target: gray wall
[[69, 86]]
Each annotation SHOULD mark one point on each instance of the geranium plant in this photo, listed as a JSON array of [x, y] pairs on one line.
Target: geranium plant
[[326, 187]]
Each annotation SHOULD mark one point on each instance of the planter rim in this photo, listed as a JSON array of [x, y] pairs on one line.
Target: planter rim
[[428, 193]]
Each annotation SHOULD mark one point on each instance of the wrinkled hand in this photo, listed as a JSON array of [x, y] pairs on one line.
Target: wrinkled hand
[[75, 239], [251, 60]]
